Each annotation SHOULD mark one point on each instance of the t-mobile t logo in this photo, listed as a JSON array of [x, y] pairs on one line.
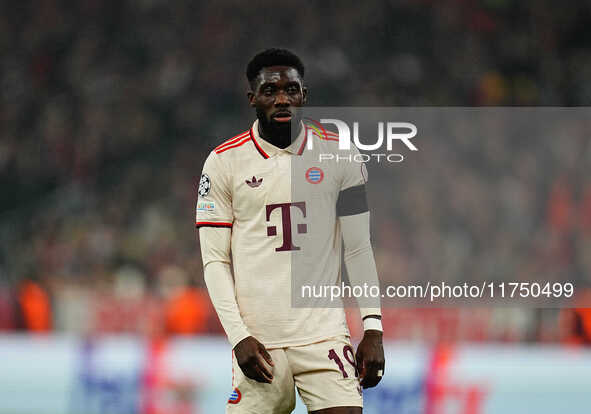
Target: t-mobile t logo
[[302, 228]]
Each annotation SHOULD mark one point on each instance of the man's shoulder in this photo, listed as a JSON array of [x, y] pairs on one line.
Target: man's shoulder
[[320, 134], [330, 143], [236, 141], [231, 150]]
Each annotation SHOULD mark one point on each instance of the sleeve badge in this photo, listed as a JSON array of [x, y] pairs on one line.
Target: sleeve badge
[[204, 185]]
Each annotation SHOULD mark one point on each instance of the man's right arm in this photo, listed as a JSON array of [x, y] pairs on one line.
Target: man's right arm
[[250, 354], [214, 219], [215, 253]]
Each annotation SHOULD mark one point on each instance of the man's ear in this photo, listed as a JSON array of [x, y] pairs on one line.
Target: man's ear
[[250, 96], [304, 95]]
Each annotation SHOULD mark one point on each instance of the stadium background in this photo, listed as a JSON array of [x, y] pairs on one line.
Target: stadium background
[[108, 110]]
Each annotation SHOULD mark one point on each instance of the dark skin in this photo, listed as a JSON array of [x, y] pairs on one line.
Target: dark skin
[[276, 94], [252, 358]]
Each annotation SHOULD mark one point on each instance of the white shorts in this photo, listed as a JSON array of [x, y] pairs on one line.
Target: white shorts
[[323, 372]]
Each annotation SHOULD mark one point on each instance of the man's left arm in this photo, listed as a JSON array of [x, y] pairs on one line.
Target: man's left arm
[[354, 222]]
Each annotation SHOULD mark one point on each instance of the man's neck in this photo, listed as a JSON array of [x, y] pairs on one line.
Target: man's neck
[[280, 139]]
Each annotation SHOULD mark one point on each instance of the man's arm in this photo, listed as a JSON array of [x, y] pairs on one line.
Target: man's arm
[[250, 353], [361, 268]]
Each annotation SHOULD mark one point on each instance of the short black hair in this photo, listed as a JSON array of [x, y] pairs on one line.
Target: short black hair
[[273, 57]]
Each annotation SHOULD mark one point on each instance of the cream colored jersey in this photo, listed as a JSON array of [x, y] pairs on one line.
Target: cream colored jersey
[[281, 207]]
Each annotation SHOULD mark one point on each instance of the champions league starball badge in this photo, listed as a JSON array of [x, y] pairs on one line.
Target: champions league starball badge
[[204, 185]]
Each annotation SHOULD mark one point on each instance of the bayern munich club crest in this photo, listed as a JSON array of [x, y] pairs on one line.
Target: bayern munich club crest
[[235, 397], [314, 175]]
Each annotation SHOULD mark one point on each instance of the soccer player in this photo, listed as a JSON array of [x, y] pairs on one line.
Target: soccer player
[[262, 197]]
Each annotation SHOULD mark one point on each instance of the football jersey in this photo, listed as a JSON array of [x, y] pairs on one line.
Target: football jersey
[[281, 207]]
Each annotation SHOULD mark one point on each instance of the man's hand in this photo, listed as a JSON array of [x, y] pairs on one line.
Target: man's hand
[[251, 356], [370, 359]]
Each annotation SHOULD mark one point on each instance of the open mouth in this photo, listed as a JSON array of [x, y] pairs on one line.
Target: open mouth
[[282, 116]]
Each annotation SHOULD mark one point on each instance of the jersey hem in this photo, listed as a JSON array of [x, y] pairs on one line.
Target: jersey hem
[[306, 341]]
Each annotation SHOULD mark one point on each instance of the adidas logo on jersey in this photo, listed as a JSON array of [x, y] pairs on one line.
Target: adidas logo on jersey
[[254, 183]]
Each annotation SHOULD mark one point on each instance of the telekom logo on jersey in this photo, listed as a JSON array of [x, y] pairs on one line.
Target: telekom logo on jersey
[[286, 208]]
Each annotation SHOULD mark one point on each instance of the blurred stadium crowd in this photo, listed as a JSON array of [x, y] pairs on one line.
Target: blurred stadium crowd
[[108, 109]]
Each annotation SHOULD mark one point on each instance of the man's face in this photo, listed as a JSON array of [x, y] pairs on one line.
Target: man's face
[[277, 93]]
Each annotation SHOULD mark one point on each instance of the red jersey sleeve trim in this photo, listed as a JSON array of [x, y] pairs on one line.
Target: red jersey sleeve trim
[[212, 224], [240, 143], [232, 140]]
